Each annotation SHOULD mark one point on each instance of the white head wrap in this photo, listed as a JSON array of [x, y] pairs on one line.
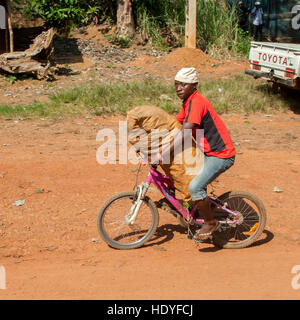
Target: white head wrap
[[257, 3], [187, 75]]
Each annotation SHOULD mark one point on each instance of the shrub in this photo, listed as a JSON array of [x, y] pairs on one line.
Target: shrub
[[62, 14]]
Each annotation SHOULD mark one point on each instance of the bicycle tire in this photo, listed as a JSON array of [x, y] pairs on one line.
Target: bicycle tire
[[222, 239], [116, 242]]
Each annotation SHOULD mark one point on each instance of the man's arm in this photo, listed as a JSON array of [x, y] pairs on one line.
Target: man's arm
[[177, 141]]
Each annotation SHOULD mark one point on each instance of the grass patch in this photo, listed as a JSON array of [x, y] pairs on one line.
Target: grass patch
[[22, 111], [119, 41], [244, 94], [238, 94]]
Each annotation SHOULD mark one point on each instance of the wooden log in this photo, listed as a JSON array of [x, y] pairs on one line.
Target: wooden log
[[35, 60]]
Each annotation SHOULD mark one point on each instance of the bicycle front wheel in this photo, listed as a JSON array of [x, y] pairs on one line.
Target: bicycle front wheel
[[252, 220], [114, 223]]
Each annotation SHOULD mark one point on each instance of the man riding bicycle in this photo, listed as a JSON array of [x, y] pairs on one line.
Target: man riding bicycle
[[219, 152]]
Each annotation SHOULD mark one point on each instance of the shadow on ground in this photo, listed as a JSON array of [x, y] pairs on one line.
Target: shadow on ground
[[166, 232]]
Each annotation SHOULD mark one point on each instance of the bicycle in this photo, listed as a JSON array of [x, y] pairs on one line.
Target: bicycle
[[129, 219]]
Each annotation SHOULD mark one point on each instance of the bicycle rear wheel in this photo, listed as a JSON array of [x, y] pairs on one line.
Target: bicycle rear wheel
[[113, 224], [252, 216]]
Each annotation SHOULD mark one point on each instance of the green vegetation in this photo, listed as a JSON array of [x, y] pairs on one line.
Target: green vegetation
[[240, 94], [62, 14], [121, 42], [218, 31], [11, 79], [163, 24], [159, 22]]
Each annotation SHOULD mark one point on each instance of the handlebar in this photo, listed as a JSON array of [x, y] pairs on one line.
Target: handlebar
[[144, 162]]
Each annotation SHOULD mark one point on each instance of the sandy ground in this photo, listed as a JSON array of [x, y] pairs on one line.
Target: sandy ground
[[50, 247]]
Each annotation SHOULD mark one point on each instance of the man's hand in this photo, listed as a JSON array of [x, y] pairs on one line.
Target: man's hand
[[177, 141], [156, 160], [143, 161]]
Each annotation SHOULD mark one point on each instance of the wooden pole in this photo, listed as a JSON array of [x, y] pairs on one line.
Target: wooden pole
[[11, 35], [6, 35], [190, 24]]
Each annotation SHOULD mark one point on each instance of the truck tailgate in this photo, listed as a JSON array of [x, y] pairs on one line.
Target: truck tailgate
[[280, 60]]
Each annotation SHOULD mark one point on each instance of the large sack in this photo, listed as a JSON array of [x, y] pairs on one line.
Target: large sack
[[156, 124]]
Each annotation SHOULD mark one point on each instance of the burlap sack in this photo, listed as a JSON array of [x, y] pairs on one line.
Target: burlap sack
[[144, 121]]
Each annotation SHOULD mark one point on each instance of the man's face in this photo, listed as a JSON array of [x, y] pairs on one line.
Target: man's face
[[184, 90]]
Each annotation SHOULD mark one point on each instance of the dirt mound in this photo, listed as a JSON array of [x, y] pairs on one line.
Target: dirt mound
[[92, 33], [186, 57], [166, 66]]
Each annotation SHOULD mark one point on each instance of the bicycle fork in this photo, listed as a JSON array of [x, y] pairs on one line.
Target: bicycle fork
[[141, 192]]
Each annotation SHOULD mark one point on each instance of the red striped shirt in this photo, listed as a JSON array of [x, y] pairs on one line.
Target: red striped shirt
[[216, 141]]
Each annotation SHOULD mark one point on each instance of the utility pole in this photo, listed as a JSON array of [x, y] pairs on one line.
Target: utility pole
[[190, 23]]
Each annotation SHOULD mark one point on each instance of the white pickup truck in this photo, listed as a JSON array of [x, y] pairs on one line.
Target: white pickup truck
[[275, 62]]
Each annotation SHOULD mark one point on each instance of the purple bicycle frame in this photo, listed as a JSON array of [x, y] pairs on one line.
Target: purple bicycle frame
[[162, 182]]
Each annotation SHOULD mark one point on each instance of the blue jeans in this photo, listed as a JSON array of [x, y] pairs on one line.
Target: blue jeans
[[210, 170]]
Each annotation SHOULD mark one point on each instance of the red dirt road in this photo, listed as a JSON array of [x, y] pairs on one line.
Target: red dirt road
[[46, 245]]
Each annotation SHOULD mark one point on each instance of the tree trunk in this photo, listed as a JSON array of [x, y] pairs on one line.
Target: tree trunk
[[125, 20], [11, 35]]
